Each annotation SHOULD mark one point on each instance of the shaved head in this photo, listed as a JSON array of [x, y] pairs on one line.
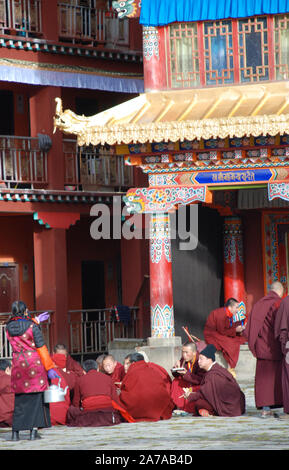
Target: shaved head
[[277, 287]]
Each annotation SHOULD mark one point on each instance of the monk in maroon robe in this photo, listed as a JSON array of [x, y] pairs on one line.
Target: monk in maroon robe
[[114, 369], [70, 377], [144, 391], [266, 348], [70, 364], [225, 335], [7, 397], [190, 377], [282, 334], [219, 393], [95, 401]]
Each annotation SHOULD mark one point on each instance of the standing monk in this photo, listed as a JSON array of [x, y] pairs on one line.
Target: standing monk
[[224, 334], [266, 348], [282, 334]]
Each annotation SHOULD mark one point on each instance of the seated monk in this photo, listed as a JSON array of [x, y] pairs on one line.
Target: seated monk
[[114, 369], [144, 390], [224, 334], [95, 401], [6, 395], [219, 393], [70, 365], [190, 377], [69, 376], [99, 361]]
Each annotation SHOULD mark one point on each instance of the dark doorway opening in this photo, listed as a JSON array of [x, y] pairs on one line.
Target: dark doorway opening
[[7, 114], [93, 285]]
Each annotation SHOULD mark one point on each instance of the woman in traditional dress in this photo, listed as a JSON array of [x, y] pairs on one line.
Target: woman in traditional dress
[[31, 368]]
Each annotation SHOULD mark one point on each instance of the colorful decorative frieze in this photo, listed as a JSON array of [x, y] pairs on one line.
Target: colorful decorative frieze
[[234, 283], [161, 290], [162, 319], [150, 43], [278, 190], [150, 200], [235, 176], [233, 241], [160, 242], [205, 145], [226, 159]]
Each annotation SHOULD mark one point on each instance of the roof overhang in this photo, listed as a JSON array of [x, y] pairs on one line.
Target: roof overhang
[[171, 116]]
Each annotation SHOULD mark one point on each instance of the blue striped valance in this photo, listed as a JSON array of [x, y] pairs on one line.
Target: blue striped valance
[[162, 12], [33, 73]]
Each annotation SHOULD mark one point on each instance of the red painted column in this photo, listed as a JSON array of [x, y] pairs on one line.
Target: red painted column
[[50, 265], [42, 110], [161, 285], [154, 59], [50, 24], [234, 284]]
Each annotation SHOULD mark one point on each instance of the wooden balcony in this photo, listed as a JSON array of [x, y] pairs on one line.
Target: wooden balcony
[[84, 24], [94, 169], [22, 163], [21, 17], [77, 24]]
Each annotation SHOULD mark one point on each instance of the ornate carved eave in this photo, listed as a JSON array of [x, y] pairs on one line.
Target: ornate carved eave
[[171, 116]]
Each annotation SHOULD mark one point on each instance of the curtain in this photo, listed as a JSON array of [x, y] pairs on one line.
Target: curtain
[[162, 12]]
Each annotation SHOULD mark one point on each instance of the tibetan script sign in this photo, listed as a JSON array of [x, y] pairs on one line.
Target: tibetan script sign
[[237, 176]]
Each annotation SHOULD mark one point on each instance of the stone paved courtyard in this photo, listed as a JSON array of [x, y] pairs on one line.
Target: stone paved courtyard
[[248, 432]]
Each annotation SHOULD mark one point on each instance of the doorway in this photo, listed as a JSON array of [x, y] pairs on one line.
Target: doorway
[[93, 284], [7, 114], [9, 286]]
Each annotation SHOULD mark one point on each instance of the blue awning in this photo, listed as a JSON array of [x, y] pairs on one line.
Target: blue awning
[[162, 12]]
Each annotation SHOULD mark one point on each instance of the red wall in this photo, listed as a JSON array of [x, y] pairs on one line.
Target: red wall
[[16, 245], [82, 247]]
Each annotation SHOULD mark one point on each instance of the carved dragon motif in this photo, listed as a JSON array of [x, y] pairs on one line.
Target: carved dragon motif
[[127, 8]]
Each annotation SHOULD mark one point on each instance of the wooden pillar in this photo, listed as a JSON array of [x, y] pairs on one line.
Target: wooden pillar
[[154, 59], [50, 22], [42, 111], [161, 286], [50, 265], [234, 284]]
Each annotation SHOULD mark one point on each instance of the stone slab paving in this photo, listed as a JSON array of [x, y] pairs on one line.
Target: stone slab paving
[[248, 432]]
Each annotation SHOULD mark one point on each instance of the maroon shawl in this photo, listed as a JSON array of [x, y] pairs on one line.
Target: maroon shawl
[[260, 328]]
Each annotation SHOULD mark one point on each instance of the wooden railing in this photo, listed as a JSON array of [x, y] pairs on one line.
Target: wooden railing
[[21, 17], [22, 163], [92, 169], [92, 330], [78, 23]]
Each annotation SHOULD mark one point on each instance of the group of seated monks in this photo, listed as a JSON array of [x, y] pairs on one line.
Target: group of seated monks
[[103, 392]]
